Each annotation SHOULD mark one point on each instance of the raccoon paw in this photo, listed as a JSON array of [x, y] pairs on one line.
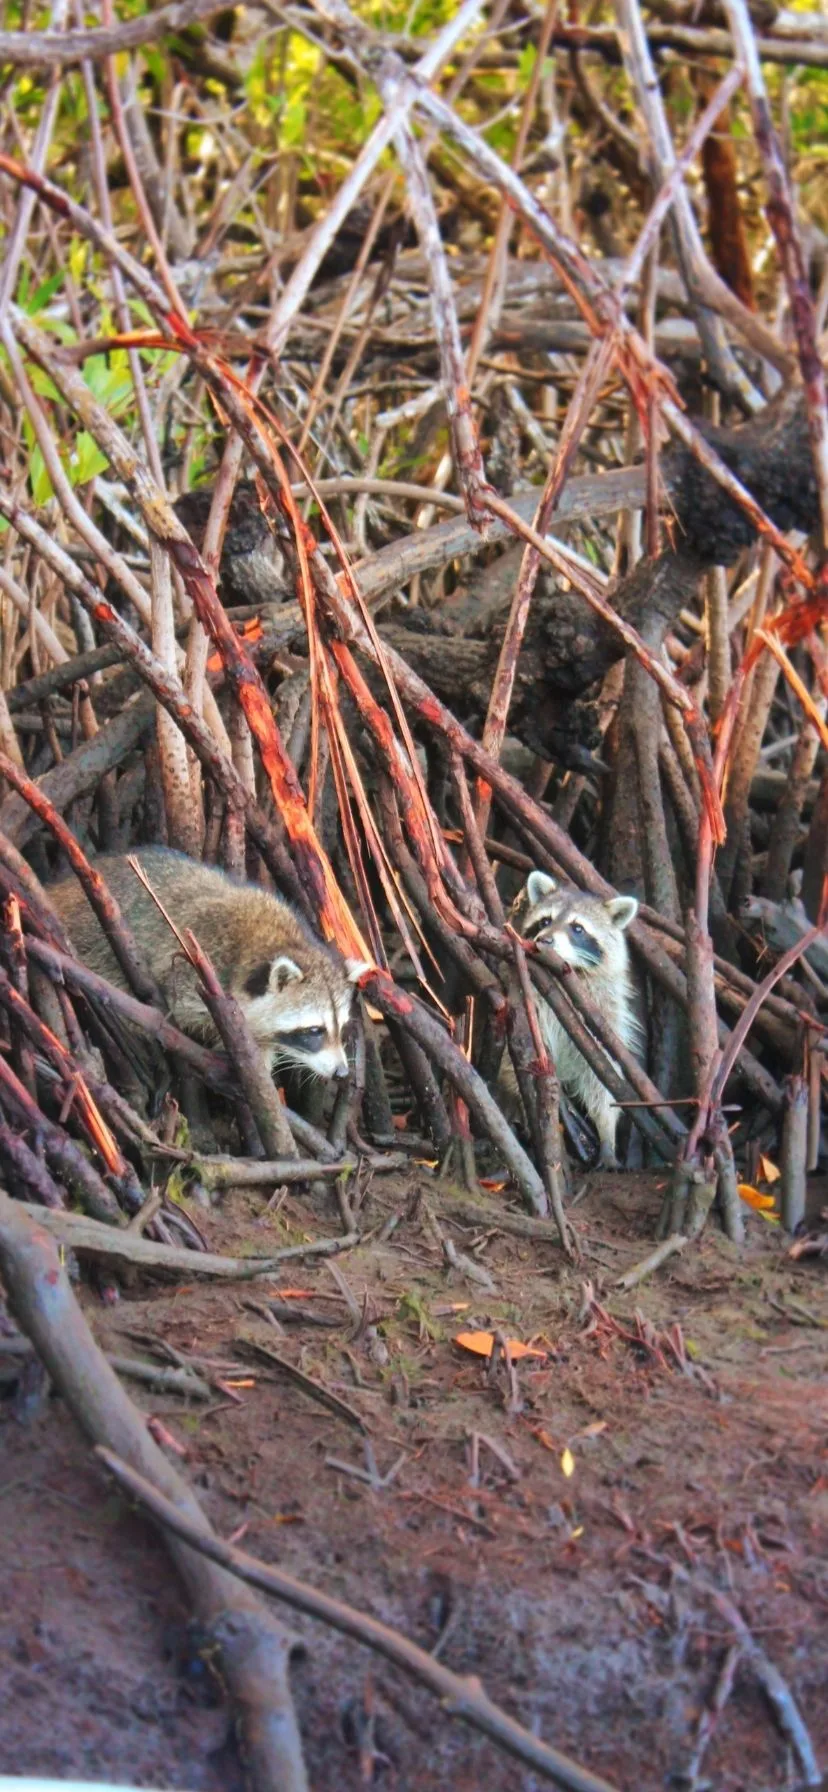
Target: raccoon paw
[[606, 1159]]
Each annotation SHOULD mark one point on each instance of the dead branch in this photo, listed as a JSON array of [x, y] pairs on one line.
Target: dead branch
[[62, 49], [670, 1247], [63, 1156], [254, 1650], [778, 1694], [464, 1698], [82, 770], [102, 901], [122, 1245]]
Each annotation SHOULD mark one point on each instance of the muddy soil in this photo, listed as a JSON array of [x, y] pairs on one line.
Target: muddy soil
[[567, 1536]]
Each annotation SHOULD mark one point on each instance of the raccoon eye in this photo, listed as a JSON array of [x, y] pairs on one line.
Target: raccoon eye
[[305, 1039], [577, 931]]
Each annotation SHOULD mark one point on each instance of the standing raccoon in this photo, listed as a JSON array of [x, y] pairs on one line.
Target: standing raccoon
[[296, 993], [589, 933]]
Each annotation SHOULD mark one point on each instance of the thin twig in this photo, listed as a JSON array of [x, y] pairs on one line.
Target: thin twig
[[463, 1698]]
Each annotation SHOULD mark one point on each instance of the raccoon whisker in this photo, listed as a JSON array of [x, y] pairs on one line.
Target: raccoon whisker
[[283, 1061]]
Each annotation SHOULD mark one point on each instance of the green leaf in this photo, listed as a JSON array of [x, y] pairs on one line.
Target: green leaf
[[109, 381], [526, 62], [39, 479], [78, 252], [45, 292], [86, 459], [43, 386], [176, 1188]]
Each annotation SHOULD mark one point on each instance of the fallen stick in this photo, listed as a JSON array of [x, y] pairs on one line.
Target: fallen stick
[[463, 1697], [254, 1172], [252, 1649], [776, 1690], [167, 1378], [492, 1217], [639, 1271], [83, 1234]]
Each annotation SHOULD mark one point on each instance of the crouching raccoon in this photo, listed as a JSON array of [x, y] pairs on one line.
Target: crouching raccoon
[[296, 993]]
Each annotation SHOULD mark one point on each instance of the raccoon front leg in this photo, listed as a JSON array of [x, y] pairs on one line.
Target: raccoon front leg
[[604, 1113]]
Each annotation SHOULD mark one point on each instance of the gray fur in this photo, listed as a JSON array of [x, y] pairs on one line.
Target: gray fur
[[588, 933], [285, 979]]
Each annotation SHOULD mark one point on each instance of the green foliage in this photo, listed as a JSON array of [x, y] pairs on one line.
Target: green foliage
[[81, 458], [109, 380], [297, 121], [413, 1306], [176, 1189], [41, 296], [809, 118]]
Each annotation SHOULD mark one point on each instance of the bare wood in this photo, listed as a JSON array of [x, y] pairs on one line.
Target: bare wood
[[662, 1253], [794, 1155], [62, 49], [254, 1649], [464, 1698], [254, 1172], [124, 1245]]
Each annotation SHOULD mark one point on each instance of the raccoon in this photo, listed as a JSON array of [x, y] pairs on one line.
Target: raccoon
[[296, 993], [588, 933]]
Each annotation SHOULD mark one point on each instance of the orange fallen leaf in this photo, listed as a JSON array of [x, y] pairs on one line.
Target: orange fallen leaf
[[769, 1171], [482, 1344], [492, 1183], [753, 1197]]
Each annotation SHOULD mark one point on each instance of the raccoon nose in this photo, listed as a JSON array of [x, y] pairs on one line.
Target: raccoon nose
[[340, 1073]]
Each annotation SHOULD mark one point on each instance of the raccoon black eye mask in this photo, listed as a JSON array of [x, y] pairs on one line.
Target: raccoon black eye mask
[[304, 1039]]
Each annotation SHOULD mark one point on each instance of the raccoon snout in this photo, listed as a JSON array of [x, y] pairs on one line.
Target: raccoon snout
[[340, 1073]]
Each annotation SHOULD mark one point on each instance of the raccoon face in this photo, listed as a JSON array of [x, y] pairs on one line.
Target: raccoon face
[[585, 931], [298, 1014]]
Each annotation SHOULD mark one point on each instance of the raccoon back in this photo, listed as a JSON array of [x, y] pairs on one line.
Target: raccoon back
[[232, 922]]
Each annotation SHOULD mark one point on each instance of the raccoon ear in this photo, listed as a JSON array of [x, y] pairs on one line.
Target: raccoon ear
[[622, 910], [283, 971], [538, 885], [257, 982], [356, 968]]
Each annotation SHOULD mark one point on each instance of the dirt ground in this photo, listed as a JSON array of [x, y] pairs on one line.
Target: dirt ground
[[564, 1538]]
